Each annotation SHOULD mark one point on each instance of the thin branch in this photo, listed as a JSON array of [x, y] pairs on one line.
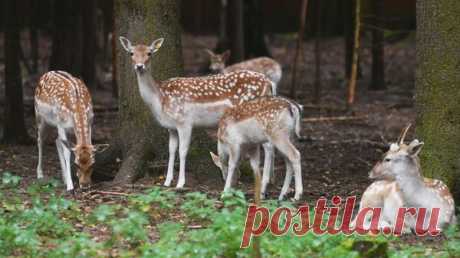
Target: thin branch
[[354, 67], [334, 118]]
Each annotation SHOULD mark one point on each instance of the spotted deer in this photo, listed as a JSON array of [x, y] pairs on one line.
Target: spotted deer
[[64, 102], [180, 104], [242, 130], [401, 184], [264, 65]]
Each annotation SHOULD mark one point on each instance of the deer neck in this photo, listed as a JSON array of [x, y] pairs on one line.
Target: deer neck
[[413, 189], [82, 128], [150, 91]]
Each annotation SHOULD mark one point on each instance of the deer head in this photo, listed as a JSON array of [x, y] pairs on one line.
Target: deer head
[[217, 61], [400, 160], [140, 54], [84, 160]]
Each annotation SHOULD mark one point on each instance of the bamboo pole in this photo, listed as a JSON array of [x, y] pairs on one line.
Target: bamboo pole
[[354, 67]]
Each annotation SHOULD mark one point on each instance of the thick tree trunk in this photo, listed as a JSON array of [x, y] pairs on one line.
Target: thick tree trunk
[[438, 91], [14, 129], [89, 42], [254, 35], [142, 139], [378, 68], [236, 31], [67, 37]]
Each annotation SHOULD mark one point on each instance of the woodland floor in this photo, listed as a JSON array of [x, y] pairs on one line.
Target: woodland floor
[[335, 160]]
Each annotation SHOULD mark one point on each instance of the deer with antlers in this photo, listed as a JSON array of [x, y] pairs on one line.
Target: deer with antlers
[[180, 104], [264, 65], [64, 102], [242, 130], [401, 184]]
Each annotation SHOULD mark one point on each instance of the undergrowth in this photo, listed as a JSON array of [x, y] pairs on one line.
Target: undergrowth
[[36, 222]]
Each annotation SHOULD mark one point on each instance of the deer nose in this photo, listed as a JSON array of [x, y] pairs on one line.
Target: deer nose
[[139, 67]]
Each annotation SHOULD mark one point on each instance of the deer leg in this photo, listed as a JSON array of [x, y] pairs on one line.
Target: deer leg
[[173, 143], [65, 158], [185, 134], [254, 160], [223, 155], [232, 165], [284, 145], [287, 179], [40, 127], [268, 166]]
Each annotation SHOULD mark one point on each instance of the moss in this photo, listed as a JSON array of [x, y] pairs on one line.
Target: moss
[[437, 89]]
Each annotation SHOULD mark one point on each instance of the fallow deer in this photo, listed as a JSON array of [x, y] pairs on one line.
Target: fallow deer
[[64, 102], [401, 184], [180, 104], [242, 130], [264, 65]]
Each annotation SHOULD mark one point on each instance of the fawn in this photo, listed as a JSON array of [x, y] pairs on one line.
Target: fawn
[[63, 101], [264, 65], [243, 128], [401, 184], [180, 104]]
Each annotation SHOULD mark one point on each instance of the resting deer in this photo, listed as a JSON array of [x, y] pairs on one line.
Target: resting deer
[[243, 128], [264, 65], [64, 102], [180, 104], [401, 184]]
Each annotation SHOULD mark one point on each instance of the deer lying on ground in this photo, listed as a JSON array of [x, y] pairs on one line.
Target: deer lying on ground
[[264, 65], [401, 184], [242, 130], [180, 104], [64, 102]]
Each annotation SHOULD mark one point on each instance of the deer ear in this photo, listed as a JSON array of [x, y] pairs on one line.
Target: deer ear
[[216, 160], [226, 55], [126, 44], [100, 147], [156, 44], [415, 147], [68, 145], [209, 52]]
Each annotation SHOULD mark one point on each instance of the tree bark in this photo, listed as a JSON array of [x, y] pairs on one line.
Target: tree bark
[[437, 90], [254, 35], [236, 31], [14, 129], [378, 65], [89, 42], [142, 139]]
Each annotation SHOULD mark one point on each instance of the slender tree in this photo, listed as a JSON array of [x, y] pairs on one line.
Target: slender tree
[[14, 129], [378, 68], [236, 31], [89, 42], [354, 66], [438, 91]]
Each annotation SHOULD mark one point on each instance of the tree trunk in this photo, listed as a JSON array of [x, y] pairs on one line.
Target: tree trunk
[[14, 129], [437, 90], [299, 49], [378, 68], [317, 89], [236, 31], [89, 42], [142, 139], [354, 65], [67, 37], [254, 35]]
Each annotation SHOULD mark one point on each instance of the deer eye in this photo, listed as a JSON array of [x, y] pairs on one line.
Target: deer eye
[[387, 160], [149, 54], [131, 53]]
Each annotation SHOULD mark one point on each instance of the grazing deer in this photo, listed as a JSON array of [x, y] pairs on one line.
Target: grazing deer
[[264, 65], [403, 185], [180, 104], [244, 127], [64, 102]]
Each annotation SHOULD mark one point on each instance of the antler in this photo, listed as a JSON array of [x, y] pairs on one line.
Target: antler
[[403, 134]]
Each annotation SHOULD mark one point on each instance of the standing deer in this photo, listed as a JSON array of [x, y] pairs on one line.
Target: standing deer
[[243, 128], [401, 184], [264, 65], [64, 102], [180, 104]]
